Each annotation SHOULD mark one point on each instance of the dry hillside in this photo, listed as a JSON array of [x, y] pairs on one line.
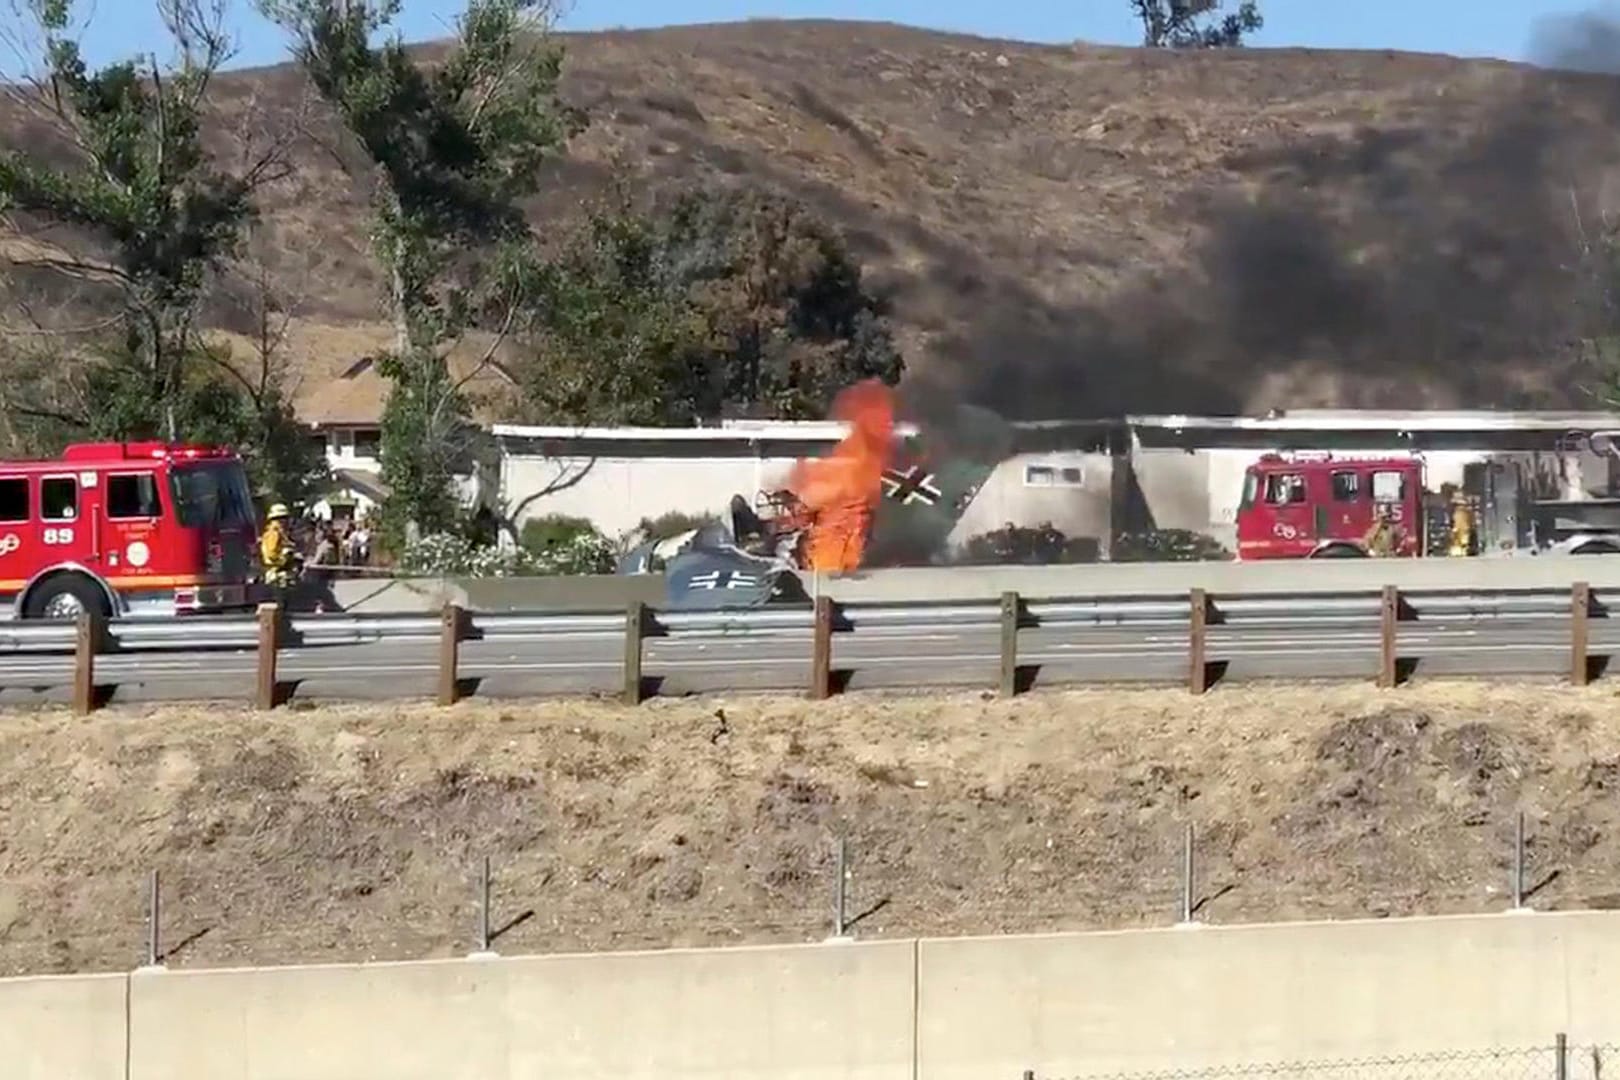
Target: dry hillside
[[353, 832], [1081, 230]]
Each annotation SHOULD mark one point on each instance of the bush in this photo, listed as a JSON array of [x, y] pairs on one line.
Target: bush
[[672, 524], [542, 534], [1023, 545], [1169, 545], [450, 555]]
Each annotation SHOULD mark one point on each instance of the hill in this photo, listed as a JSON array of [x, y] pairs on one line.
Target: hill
[[357, 833], [1082, 230]]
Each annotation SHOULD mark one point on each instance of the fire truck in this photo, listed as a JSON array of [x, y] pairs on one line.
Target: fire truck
[[1300, 506], [127, 529]]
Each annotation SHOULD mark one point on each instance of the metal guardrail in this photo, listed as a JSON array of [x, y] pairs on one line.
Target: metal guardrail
[[1196, 614]]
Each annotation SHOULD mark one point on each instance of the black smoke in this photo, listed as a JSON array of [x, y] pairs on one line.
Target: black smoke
[[1427, 256]]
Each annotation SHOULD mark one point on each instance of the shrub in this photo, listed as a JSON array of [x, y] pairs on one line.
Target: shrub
[[542, 534], [451, 555], [674, 523], [1025, 545], [1169, 545]]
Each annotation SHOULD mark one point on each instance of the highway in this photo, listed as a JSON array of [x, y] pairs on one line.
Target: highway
[[583, 662]]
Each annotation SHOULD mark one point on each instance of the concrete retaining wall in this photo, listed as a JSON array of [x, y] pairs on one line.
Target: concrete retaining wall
[[1063, 1005], [608, 592], [61, 1027]]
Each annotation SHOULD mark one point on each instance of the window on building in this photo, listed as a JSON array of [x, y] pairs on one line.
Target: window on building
[[14, 499], [59, 498], [132, 495], [1388, 486], [1283, 489], [1346, 486], [367, 443], [1052, 475]]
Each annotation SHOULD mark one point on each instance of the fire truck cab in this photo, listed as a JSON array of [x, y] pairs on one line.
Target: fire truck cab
[[1300, 507], [126, 529]]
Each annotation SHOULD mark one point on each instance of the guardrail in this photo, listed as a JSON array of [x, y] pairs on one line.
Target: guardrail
[[1197, 614]]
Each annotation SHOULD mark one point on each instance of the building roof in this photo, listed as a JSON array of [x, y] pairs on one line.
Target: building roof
[[334, 382], [1387, 420]]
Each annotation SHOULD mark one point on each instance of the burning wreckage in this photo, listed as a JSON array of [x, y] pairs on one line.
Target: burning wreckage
[[877, 499]]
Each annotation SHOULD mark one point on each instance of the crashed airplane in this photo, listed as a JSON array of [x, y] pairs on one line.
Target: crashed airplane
[[877, 499]]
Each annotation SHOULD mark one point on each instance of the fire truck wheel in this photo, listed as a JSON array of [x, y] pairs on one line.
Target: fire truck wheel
[[64, 597]]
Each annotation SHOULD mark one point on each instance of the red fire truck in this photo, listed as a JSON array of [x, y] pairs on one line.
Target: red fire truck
[[127, 529], [1318, 506]]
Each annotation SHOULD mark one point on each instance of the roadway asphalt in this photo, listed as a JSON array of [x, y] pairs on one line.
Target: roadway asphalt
[[780, 660]]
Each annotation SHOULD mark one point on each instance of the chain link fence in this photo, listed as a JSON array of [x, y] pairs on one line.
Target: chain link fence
[[1558, 1060]]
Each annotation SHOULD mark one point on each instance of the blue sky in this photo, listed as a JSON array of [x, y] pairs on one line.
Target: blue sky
[[1501, 28]]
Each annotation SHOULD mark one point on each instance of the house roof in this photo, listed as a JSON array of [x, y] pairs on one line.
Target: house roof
[[334, 381]]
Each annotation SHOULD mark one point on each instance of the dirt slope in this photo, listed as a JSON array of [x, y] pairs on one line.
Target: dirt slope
[[1074, 231], [351, 833]]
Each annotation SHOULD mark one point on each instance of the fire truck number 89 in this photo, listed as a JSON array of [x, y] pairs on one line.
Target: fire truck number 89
[[63, 535]]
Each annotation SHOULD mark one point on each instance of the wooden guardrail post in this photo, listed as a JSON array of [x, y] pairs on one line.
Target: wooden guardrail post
[[635, 633], [1198, 642], [90, 633], [267, 696], [1580, 612], [821, 650], [452, 622], [1012, 607], [1388, 620]]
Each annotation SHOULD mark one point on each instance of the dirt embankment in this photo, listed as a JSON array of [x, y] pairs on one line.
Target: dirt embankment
[[356, 833]]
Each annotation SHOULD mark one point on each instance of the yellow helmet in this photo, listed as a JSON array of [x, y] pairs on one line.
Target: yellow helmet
[[278, 510]]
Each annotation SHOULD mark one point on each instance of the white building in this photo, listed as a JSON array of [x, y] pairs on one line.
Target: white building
[[1093, 480], [617, 477]]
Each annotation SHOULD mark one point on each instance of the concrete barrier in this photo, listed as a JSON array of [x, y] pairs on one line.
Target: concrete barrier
[[1128, 579], [790, 1013], [1070, 1005], [57, 1027], [1090, 1004], [607, 592]]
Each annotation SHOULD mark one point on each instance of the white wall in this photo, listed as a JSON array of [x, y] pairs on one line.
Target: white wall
[[1077, 507], [616, 493]]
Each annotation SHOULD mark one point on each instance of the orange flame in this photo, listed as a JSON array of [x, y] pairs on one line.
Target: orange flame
[[839, 492]]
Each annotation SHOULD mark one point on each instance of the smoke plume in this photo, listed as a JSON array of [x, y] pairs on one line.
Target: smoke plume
[[1428, 257]]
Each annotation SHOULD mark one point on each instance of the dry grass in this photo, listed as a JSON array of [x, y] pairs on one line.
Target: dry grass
[[1077, 231], [350, 832]]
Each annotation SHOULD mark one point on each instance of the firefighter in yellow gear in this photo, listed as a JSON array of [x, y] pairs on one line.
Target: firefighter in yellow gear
[[276, 548]]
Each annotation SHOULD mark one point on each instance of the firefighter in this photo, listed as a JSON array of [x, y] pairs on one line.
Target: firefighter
[[276, 549]]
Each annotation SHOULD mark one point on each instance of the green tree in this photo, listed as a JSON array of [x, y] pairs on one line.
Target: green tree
[[1196, 24], [451, 149], [124, 173], [732, 302]]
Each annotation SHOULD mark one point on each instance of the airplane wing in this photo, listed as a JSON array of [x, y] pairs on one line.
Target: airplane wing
[[716, 578]]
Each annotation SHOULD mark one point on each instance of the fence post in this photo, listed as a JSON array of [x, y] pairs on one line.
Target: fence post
[[1389, 617], [269, 647], [450, 629], [1518, 862], [153, 921], [1011, 608], [635, 632], [483, 908], [1580, 610], [87, 642], [840, 894], [1198, 642], [821, 651], [1187, 875]]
